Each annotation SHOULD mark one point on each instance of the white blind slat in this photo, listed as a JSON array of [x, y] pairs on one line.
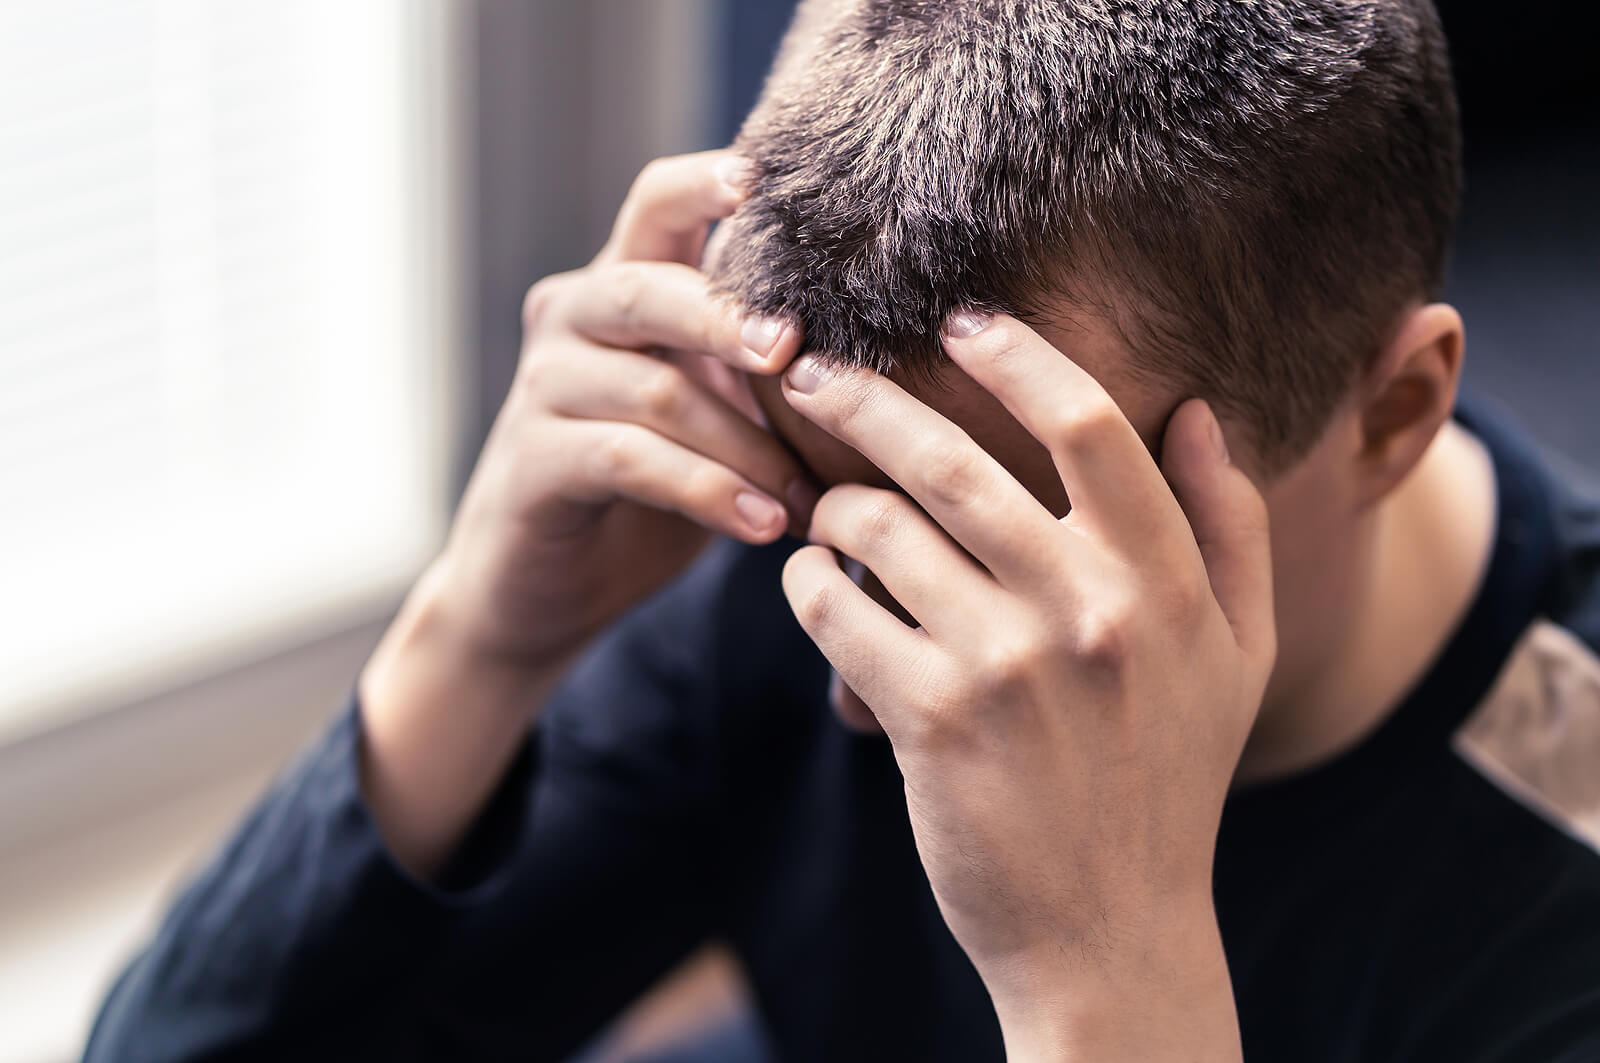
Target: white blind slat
[[215, 419]]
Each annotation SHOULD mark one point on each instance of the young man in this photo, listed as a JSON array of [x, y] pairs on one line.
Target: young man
[[1126, 775]]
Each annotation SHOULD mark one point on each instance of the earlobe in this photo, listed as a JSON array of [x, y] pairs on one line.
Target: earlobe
[[1408, 393]]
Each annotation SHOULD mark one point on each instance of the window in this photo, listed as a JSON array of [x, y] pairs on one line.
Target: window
[[224, 318]]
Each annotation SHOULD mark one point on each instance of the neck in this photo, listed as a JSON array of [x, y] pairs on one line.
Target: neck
[[1418, 565]]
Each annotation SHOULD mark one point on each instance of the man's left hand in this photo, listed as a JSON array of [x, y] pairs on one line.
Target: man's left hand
[[1069, 711]]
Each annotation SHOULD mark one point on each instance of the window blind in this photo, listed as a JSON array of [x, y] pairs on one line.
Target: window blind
[[222, 393]]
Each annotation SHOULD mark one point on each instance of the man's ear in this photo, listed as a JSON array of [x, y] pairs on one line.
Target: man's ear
[[1407, 395]]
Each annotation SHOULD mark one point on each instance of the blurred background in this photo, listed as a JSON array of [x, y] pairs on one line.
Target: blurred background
[[260, 272]]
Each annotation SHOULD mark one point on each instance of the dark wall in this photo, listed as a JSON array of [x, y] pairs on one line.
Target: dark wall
[[1526, 267], [1523, 71], [752, 29]]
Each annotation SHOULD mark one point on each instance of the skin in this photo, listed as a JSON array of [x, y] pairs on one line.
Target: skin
[[1393, 507], [1083, 619]]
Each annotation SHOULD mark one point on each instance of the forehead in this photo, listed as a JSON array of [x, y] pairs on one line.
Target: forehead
[[955, 396]]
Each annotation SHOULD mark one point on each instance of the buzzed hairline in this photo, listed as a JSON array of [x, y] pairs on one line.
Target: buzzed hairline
[[1250, 200]]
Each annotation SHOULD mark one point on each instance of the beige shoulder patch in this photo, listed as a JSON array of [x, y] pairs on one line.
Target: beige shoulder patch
[[1537, 733]]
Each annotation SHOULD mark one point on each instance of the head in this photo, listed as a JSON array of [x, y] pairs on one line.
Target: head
[[1245, 202]]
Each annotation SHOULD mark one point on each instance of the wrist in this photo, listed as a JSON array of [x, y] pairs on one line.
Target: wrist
[[431, 645], [1155, 993], [441, 722]]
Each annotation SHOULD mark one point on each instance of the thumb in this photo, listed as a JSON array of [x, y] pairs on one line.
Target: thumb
[[1229, 521]]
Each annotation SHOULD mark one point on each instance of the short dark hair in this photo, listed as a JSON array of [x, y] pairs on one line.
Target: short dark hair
[[1250, 191]]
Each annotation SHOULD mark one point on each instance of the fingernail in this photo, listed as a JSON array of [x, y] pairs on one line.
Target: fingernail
[[963, 323], [738, 173], [802, 499], [1218, 442], [761, 334], [758, 511], [807, 374]]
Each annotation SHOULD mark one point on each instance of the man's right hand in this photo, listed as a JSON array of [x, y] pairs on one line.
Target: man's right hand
[[622, 445], [608, 464]]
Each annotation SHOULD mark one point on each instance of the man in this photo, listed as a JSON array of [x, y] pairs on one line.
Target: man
[[1086, 293]]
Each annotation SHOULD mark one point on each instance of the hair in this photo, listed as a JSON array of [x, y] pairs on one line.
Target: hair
[[1251, 192]]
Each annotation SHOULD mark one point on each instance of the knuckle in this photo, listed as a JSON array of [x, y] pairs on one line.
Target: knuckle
[[841, 414], [536, 304], [947, 716], [626, 286], [716, 330], [662, 393], [1087, 424], [1008, 661], [950, 473], [532, 377], [615, 456], [881, 517], [652, 173], [539, 365], [1102, 641], [704, 488], [999, 346], [940, 724], [645, 182], [1187, 592], [815, 607]]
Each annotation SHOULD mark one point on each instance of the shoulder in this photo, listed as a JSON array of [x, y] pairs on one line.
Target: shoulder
[[1575, 514], [1512, 918], [1536, 734], [1503, 906], [1526, 802]]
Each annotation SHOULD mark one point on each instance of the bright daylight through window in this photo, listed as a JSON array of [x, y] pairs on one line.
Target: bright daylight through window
[[221, 400]]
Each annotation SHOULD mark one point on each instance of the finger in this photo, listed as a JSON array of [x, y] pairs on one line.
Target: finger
[[641, 305], [876, 655], [918, 564], [970, 494], [1113, 483], [850, 709], [630, 461], [1229, 520], [610, 385], [672, 204]]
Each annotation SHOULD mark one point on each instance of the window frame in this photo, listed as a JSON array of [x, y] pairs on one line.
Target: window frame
[[498, 165], [111, 751]]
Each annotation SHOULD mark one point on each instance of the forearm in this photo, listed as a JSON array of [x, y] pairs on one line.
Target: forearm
[[440, 726], [298, 940], [1150, 999]]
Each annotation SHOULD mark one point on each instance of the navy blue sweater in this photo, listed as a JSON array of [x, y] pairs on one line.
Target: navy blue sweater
[[1433, 894]]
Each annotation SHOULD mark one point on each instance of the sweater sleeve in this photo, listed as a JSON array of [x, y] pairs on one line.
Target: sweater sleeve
[[582, 882]]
